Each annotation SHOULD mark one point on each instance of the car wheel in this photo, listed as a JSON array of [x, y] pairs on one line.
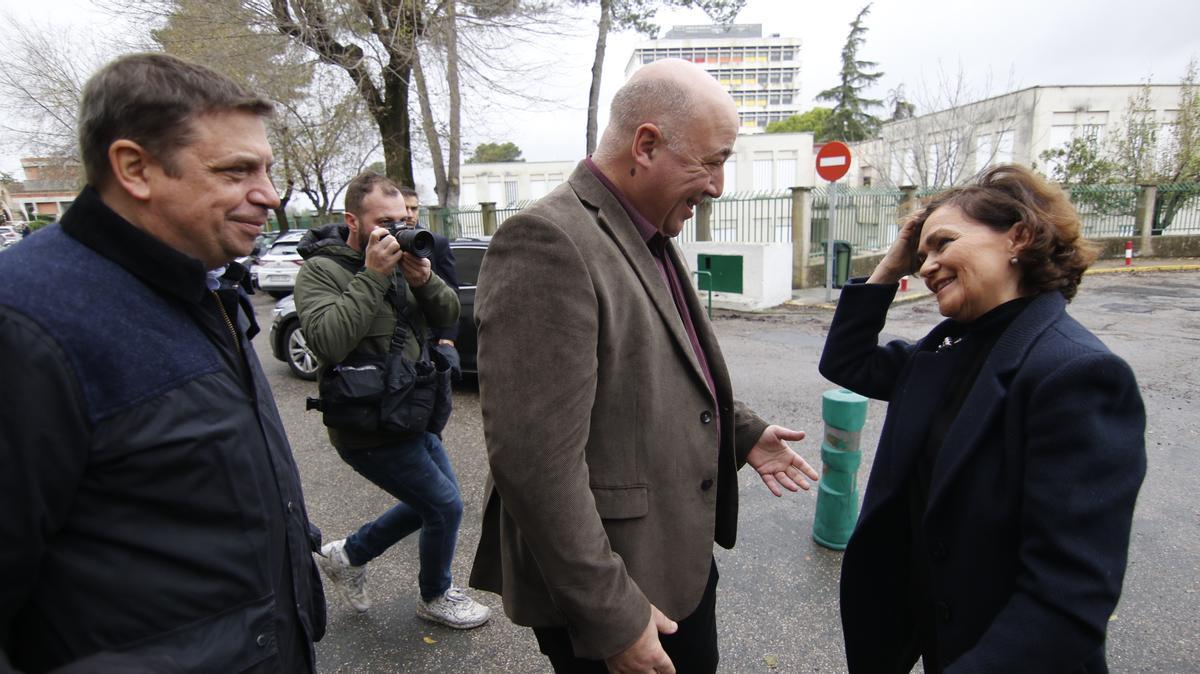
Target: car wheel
[[279, 294], [299, 358]]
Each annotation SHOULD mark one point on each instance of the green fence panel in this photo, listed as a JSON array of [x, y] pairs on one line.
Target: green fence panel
[[463, 222], [1177, 209], [866, 218], [1105, 210], [748, 217]]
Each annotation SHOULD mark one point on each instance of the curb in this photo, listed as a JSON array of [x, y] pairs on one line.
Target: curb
[[1130, 269]]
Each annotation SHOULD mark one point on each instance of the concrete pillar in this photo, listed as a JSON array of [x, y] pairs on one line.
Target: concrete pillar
[[908, 203], [488, 213], [704, 221], [845, 414], [801, 235], [437, 221], [1144, 218]]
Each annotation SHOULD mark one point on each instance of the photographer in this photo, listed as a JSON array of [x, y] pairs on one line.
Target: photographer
[[350, 299]]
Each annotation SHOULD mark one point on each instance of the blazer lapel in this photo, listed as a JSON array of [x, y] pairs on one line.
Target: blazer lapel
[[909, 414], [988, 393], [613, 219]]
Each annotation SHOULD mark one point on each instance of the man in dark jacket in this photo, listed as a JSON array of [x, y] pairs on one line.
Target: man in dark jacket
[[354, 280], [150, 500]]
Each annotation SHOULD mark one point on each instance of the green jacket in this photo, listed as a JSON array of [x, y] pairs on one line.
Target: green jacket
[[344, 312]]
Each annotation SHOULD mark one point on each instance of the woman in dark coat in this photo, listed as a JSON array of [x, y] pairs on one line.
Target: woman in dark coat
[[995, 526]]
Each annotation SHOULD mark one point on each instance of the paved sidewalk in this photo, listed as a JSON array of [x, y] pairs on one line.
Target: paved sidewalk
[[817, 297]]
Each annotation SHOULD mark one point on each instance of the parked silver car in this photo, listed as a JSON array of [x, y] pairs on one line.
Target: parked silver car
[[8, 236], [278, 267]]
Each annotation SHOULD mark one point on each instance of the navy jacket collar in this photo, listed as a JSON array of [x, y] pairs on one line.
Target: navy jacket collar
[[91, 222]]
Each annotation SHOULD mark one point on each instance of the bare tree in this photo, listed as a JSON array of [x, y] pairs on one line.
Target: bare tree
[[379, 45], [42, 72], [329, 141], [445, 172], [946, 133]]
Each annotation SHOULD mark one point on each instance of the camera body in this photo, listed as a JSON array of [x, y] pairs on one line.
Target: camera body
[[414, 241]]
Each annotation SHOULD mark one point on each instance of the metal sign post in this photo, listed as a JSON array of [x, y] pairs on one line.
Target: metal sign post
[[833, 161], [829, 259]]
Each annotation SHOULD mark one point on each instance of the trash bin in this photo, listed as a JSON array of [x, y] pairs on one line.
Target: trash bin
[[841, 261]]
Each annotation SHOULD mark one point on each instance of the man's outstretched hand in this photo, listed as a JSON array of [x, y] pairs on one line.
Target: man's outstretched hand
[[777, 464]]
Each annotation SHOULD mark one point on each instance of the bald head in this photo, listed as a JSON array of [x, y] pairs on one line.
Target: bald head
[[669, 94], [672, 128]]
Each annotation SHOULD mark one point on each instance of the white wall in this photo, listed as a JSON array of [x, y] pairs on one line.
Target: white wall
[[766, 273], [500, 182], [784, 160]]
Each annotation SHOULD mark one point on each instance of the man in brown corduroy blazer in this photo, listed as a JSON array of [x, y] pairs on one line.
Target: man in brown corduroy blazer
[[612, 432]]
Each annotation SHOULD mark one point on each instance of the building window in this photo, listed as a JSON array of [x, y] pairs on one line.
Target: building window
[[1004, 147], [984, 151], [764, 176], [785, 169]]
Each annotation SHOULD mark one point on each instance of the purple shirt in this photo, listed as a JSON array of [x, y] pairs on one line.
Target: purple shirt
[[657, 243]]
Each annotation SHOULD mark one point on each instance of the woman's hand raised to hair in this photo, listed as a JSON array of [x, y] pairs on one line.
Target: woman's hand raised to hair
[[901, 258]]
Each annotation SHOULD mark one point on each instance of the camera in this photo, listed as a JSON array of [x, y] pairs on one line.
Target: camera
[[418, 242]]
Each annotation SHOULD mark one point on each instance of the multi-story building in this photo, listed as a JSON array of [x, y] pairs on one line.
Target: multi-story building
[[949, 146], [761, 73], [50, 186]]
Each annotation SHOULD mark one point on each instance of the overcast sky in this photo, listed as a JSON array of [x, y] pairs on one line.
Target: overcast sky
[[998, 46]]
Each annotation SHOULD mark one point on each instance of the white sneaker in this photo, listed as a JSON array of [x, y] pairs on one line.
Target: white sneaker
[[454, 609], [350, 581]]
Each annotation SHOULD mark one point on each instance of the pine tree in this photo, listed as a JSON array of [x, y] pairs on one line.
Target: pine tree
[[850, 120]]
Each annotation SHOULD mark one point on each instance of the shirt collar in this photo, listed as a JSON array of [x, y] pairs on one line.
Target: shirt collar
[[647, 230], [212, 277], [91, 222]]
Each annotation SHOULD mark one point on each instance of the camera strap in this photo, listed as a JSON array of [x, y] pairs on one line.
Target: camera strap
[[398, 295]]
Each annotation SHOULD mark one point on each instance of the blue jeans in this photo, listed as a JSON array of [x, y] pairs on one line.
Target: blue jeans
[[418, 473]]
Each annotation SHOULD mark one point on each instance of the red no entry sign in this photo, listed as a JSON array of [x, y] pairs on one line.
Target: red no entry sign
[[833, 160]]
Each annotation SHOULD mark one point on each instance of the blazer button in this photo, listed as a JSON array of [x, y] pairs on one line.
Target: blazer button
[[943, 611], [706, 417], [261, 640], [939, 551], [706, 485]]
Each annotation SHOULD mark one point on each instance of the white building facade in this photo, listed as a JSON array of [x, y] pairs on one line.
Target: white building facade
[[761, 73], [759, 163], [948, 147]]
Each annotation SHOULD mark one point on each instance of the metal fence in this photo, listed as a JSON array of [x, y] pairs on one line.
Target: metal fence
[[302, 222], [468, 222], [1177, 209], [748, 217], [1106, 210], [463, 222], [867, 218]]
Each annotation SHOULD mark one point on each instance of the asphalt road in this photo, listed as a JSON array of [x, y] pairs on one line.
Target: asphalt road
[[777, 600]]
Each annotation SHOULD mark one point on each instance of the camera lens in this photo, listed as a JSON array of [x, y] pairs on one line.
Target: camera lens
[[419, 242]]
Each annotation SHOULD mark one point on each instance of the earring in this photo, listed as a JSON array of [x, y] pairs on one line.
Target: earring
[[1013, 260]]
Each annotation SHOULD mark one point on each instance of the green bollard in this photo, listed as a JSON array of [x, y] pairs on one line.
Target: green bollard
[[845, 413]]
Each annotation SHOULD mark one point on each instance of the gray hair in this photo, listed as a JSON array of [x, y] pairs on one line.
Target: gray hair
[[151, 99]]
